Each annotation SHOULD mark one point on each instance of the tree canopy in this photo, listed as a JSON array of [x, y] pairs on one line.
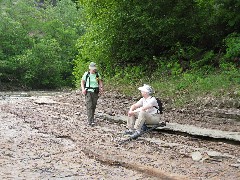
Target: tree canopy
[[48, 44], [38, 44], [170, 34]]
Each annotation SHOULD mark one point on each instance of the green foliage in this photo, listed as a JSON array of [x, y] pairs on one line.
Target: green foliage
[[13, 37], [95, 45], [187, 88], [229, 13], [121, 33], [44, 38], [79, 68], [129, 40], [46, 65], [174, 67], [130, 74], [206, 63], [126, 79], [233, 46]]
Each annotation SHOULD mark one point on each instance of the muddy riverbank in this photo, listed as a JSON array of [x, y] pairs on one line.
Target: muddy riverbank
[[45, 136]]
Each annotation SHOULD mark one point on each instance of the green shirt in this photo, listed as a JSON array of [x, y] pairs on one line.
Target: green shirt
[[93, 80]]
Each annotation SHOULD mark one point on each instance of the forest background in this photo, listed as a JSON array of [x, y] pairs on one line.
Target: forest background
[[184, 49]]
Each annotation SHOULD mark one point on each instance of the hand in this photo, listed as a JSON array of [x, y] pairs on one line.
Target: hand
[[130, 113], [101, 90], [84, 91]]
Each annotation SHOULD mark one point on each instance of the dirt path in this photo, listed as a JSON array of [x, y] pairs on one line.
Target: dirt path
[[51, 140]]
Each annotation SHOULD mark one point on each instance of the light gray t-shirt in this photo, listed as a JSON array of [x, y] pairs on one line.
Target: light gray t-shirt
[[149, 101]]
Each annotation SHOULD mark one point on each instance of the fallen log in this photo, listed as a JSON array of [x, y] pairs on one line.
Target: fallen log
[[184, 128]]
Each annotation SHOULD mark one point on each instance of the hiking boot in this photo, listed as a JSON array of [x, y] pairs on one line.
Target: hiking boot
[[135, 134], [128, 132], [144, 127], [91, 124]]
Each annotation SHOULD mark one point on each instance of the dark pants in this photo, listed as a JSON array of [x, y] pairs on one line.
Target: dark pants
[[91, 103]]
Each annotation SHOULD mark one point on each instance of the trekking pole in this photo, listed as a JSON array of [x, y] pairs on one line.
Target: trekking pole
[[162, 124]]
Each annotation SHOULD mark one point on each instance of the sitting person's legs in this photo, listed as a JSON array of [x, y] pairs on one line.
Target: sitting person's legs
[[142, 116], [153, 119], [147, 118], [130, 124]]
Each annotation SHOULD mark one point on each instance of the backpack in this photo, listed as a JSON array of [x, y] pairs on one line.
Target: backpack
[[97, 76], [160, 105]]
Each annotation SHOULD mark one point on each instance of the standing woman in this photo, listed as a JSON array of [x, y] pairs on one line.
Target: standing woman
[[91, 85]]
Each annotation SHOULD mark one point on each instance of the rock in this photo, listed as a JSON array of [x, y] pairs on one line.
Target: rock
[[235, 165], [196, 156], [214, 153], [45, 100]]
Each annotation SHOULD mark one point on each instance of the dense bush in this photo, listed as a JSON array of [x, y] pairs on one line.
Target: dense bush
[[38, 44], [179, 35], [49, 44]]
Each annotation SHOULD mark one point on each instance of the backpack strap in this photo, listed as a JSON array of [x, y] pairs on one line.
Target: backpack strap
[[88, 76], [156, 106], [159, 108]]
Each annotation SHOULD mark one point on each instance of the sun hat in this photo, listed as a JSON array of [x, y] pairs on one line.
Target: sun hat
[[146, 88], [92, 66]]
